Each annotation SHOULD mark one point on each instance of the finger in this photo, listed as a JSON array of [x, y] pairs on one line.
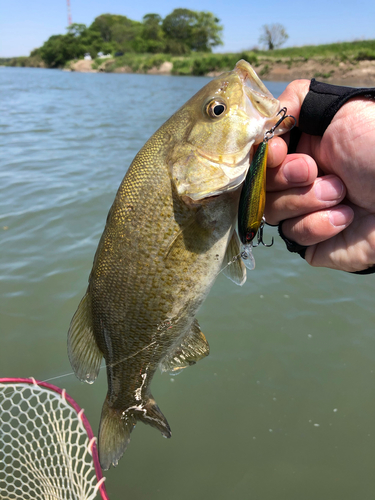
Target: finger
[[277, 151], [293, 97], [353, 249], [296, 170], [323, 193], [319, 226]]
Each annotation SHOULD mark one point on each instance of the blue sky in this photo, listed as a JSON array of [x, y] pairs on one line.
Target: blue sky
[[26, 24]]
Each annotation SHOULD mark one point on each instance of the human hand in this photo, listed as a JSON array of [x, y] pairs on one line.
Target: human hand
[[333, 213]]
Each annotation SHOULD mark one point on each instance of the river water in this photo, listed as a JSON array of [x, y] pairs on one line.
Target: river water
[[284, 406]]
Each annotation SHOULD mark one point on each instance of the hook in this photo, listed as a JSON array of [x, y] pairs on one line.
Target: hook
[[260, 235], [283, 117]]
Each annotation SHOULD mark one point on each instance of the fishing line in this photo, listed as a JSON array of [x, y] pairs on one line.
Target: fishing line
[[105, 365], [232, 261]]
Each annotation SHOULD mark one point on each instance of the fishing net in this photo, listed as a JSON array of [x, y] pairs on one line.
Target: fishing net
[[47, 448]]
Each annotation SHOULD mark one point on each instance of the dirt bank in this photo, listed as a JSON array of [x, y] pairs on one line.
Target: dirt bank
[[82, 66], [362, 73]]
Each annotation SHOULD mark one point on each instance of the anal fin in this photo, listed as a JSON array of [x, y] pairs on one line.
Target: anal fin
[[193, 347], [233, 266], [84, 354]]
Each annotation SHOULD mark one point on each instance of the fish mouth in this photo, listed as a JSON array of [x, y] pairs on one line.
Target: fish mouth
[[260, 97], [258, 94]]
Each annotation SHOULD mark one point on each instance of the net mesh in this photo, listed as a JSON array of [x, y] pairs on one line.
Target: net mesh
[[45, 452]]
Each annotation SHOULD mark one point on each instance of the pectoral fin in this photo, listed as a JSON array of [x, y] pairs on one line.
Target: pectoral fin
[[233, 266], [84, 354], [193, 347]]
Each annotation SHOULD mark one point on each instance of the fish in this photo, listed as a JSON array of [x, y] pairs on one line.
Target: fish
[[168, 234]]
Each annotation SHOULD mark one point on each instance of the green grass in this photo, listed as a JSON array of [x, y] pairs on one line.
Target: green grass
[[22, 62], [323, 75], [137, 62], [359, 50], [203, 63], [193, 64]]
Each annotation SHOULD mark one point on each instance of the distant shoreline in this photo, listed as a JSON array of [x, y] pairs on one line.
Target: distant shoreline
[[360, 74], [343, 63]]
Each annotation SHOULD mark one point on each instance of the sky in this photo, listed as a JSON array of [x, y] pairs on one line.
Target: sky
[[27, 24]]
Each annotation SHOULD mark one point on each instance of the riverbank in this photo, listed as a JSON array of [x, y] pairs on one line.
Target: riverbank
[[346, 63], [358, 73]]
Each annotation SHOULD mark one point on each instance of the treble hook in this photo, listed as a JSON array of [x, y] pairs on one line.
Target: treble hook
[[271, 132], [260, 235]]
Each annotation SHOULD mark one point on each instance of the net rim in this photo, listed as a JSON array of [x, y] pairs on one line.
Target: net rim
[[80, 412]]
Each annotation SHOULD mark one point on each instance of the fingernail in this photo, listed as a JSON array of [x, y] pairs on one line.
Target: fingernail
[[329, 189], [296, 171], [340, 216]]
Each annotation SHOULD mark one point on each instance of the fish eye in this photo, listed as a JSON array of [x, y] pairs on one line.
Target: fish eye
[[215, 108]]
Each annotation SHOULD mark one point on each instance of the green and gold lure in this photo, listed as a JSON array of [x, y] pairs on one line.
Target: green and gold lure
[[253, 198]]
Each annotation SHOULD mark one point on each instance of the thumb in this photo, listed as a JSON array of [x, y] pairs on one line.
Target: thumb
[[293, 97]]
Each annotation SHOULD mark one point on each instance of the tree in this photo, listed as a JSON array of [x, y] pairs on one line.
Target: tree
[[79, 39], [273, 36], [178, 27], [119, 30], [76, 29], [187, 30], [152, 26], [59, 49], [180, 32], [206, 32], [152, 33]]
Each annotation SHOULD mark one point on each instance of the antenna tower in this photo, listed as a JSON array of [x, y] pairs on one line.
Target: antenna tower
[[69, 12]]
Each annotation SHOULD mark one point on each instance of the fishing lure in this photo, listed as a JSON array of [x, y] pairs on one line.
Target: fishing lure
[[253, 197]]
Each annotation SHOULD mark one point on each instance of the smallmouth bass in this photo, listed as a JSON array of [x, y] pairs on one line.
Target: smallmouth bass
[[168, 234]]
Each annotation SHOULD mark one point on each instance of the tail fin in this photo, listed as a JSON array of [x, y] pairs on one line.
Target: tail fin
[[116, 426]]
